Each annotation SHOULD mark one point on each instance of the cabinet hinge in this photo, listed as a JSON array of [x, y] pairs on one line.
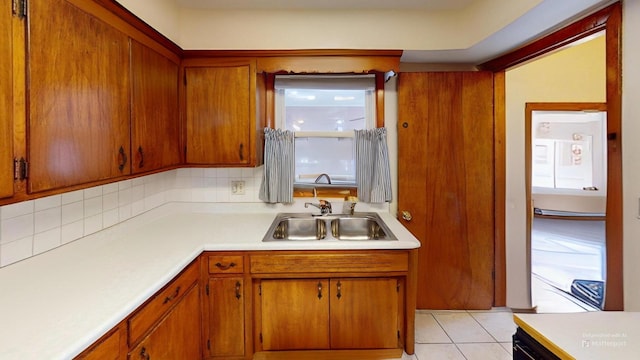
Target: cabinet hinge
[[260, 290], [206, 288], [19, 8], [208, 344], [20, 169], [261, 338], [184, 78], [398, 286], [398, 334]]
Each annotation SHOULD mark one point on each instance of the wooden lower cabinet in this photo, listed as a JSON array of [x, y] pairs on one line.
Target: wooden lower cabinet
[[295, 314], [226, 319], [226, 306], [112, 346], [275, 305], [364, 313], [329, 313], [177, 336], [333, 304]]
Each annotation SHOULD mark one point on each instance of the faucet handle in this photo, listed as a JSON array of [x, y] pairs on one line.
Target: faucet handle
[[325, 207]]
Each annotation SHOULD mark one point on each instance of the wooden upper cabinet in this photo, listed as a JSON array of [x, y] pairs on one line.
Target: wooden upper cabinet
[[220, 112], [78, 95], [6, 101], [155, 126]]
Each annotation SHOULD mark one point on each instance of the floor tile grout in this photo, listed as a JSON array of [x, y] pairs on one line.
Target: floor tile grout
[[466, 348]]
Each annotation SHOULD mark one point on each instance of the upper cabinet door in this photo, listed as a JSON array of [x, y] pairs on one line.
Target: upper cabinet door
[[220, 114], [6, 101], [78, 95], [155, 127]]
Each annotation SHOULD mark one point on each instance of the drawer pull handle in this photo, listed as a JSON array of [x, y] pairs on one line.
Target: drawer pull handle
[[225, 267], [144, 355], [339, 288], [319, 290], [175, 294], [238, 290]]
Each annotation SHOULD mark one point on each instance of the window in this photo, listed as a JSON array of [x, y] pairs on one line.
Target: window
[[323, 111], [568, 150]]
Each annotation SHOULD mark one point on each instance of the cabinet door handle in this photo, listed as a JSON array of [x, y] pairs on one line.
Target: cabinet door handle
[[173, 296], [407, 215], [141, 163], [144, 354], [241, 151], [238, 290], [339, 288], [319, 290], [225, 267], [123, 159]]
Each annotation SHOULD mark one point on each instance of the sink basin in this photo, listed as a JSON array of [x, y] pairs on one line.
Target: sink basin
[[299, 228], [366, 227], [307, 227]]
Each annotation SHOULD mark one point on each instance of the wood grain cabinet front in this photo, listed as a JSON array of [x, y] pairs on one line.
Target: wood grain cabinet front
[[78, 83], [327, 304], [143, 319], [177, 335], [112, 346], [221, 115], [335, 313], [6, 101], [155, 123], [226, 300]]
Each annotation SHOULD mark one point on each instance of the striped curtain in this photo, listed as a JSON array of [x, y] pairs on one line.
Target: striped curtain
[[373, 175], [278, 173]]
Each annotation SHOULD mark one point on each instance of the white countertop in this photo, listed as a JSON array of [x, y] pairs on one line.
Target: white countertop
[[54, 305], [591, 335]]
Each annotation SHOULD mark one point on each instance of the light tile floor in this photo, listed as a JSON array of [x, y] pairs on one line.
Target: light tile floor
[[464, 335]]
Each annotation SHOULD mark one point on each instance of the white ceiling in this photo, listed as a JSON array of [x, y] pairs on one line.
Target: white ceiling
[[547, 16], [328, 4]]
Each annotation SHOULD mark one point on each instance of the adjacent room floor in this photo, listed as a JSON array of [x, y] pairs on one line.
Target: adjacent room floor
[[563, 251]]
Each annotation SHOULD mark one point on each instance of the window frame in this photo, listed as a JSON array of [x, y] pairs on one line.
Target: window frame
[[324, 190]]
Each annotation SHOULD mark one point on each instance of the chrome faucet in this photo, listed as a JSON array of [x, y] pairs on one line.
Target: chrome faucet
[[323, 176], [324, 206]]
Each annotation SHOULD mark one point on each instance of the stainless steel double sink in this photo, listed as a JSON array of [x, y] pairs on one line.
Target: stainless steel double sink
[[308, 227]]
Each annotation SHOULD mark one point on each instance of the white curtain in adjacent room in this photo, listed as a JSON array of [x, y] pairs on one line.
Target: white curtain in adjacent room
[[278, 174], [373, 175]]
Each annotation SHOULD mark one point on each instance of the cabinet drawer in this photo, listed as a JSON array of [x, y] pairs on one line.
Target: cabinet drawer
[[330, 262], [160, 303], [109, 347], [226, 264]]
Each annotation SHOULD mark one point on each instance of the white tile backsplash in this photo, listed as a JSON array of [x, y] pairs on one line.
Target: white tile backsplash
[[72, 212], [17, 209], [31, 227], [16, 228], [47, 219], [46, 240]]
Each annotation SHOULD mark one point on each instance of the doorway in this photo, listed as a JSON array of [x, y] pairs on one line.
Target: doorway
[[514, 290], [566, 167]]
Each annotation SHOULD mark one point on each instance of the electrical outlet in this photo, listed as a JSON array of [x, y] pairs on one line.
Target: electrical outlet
[[237, 187]]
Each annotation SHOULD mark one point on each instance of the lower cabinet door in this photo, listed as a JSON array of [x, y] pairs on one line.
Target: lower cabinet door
[[364, 313], [226, 317], [295, 314], [177, 336]]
